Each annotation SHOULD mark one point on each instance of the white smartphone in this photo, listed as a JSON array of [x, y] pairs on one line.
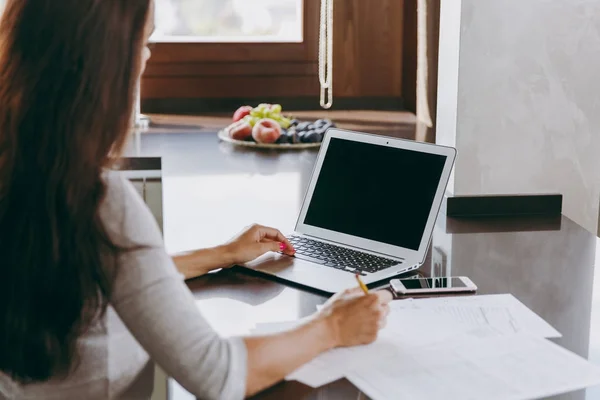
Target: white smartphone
[[455, 284]]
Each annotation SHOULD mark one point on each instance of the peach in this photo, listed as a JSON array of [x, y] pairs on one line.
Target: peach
[[240, 130], [241, 113], [266, 131]]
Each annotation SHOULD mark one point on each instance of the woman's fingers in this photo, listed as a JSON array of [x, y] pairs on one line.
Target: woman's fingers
[[270, 245], [385, 296], [270, 233], [382, 323], [386, 310], [353, 292], [275, 235]]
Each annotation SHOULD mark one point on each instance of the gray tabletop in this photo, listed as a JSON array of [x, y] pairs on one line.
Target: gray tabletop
[[212, 190]]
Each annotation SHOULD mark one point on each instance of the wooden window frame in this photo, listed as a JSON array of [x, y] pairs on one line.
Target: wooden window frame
[[373, 68], [224, 70]]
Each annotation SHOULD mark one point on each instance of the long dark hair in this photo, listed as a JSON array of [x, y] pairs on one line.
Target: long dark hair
[[68, 72]]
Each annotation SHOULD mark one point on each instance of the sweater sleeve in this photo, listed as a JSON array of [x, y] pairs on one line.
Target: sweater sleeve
[[153, 301]]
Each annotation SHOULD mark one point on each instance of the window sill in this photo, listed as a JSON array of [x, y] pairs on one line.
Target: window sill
[[390, 123]]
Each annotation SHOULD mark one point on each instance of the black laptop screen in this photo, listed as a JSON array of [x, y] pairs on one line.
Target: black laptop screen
[[375, 192]]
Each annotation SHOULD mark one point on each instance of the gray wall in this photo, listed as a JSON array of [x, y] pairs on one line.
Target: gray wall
[[519, 96]]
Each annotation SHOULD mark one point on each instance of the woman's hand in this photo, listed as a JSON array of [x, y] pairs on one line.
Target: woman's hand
[[348, 319], [355, 318], [255, 241]]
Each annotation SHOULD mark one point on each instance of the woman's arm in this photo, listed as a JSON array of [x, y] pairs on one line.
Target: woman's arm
[[348, 319], [253, 242], [296, 348], [200, 262]]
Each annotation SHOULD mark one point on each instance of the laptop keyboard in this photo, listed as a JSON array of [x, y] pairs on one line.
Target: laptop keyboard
[[338, 257]]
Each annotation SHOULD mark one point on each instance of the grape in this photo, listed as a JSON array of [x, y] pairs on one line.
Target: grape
[[294, 122], [312, 137], [291, 134], [295, 136], [308, 136], [283, 139], [251, 120], [302, 126], [284, 122], [276, 108]]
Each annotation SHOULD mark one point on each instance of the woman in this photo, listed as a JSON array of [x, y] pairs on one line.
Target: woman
[[88, 295]]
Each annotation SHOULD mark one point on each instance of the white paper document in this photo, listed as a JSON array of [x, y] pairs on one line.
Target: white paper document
[[493, 345], [502, 367], [336, 364], [503, 313], [405, 328]]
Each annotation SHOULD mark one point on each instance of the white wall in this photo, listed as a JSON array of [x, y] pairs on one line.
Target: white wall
[[519, 96]]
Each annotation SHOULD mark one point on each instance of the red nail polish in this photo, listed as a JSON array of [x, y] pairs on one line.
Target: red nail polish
[[282, 246]]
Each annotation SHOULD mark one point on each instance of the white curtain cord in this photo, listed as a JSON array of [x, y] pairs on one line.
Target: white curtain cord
[[424, 111], [326, 53]]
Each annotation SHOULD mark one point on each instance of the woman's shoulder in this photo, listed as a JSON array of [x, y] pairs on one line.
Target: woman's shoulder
[[117, 197], [126, 216]]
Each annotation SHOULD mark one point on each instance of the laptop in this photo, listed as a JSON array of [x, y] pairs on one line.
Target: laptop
[[370, 209]]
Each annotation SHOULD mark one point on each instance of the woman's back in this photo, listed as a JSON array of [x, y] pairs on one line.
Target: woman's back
[[110, 361], [112, 364]]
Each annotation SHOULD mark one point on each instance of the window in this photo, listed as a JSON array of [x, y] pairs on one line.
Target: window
[[228, 21], [231, 49]]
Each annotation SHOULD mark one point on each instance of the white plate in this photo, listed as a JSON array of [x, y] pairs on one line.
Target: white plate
[[284, 146]]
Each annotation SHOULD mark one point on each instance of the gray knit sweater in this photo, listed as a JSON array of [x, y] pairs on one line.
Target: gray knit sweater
[[152, 318]]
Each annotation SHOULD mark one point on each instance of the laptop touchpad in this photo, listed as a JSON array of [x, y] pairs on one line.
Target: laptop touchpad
[[271, 262]]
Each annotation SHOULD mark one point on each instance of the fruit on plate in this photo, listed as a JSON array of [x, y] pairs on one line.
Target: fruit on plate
[[240, 130], [266, 123], [272, 111], [307, 132], [285, 138], [241, 113], [251, 120], [266, 130]]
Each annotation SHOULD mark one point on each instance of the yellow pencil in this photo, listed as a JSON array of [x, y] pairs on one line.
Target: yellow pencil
[[362, 284]]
